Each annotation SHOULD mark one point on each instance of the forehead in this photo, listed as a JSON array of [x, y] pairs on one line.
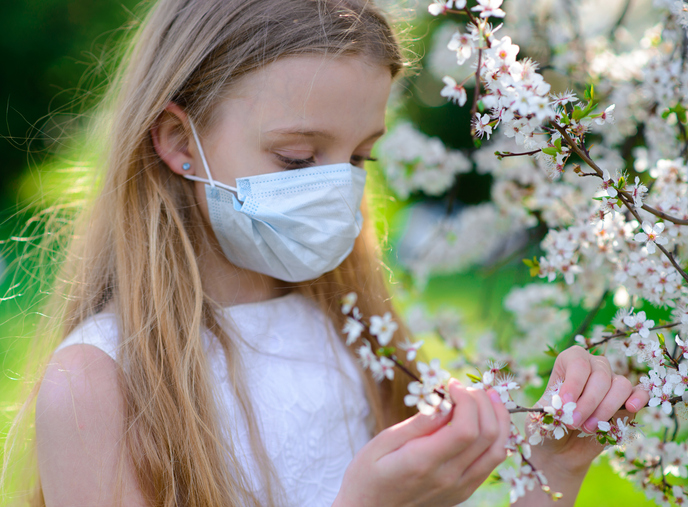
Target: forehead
[[312, 92]]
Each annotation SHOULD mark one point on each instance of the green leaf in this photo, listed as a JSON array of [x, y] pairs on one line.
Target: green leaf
[[577, 113], [534, 266], [530, 263], [386, 351], [473, 377], [477, 142], [550, 150], [551, 351], [662, 343], [557, 143]]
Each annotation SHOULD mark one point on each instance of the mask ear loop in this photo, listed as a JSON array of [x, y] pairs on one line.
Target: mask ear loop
[[210, 179]]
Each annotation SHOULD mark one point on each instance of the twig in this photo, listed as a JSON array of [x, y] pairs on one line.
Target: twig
[[476, 93], [620, 19], [526, 409], [583, 327], [625, 198], [505, 154], [669, 256], [626, 333], [660, 214]]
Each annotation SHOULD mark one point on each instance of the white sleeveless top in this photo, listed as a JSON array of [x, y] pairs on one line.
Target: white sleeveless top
[[307, 393]]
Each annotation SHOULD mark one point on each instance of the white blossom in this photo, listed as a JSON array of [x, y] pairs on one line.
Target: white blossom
[[651, 236], [383, 328]]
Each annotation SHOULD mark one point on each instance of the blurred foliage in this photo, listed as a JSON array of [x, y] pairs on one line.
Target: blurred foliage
[[55, 54]]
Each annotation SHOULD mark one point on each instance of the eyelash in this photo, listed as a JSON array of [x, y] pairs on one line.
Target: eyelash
[[296, 163]]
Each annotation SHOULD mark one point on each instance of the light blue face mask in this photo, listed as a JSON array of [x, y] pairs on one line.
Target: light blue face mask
[[292, 225]]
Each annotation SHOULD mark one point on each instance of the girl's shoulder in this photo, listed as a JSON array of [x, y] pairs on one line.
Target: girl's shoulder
[[100, 330], [80, 419]]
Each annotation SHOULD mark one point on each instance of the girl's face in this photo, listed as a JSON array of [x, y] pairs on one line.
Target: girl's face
[[297, 112]]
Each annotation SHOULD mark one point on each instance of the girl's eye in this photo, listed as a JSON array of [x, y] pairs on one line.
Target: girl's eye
[[295, 163], [358, 159]]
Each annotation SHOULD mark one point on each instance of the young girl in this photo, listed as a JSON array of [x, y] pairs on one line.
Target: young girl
[[203, 364]]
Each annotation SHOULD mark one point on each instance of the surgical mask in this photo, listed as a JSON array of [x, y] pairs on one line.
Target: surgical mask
[[292, 225]]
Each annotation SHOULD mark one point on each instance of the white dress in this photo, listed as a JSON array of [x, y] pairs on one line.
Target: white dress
[[307, 393]]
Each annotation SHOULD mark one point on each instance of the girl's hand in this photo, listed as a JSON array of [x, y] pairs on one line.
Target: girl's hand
[[430, 461], [599, 395]]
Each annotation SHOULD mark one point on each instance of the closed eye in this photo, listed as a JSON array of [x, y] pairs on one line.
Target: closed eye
[[358, 159], [300, 163], [295, 163]]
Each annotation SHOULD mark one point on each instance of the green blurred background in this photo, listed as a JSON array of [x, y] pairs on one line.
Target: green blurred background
[[56, 62]]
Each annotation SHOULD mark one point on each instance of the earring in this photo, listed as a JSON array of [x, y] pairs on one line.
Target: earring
[[186, 166]]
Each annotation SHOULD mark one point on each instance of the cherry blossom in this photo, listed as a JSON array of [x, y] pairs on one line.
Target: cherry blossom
[[384, 368], [639, 323], [482, 125], [348, 302], [432, 374], [352, 329], [607, 116], [383, 328], [463, 44], [562, 414], [651, 236], [454, 92], [488, 8], [411, 348]]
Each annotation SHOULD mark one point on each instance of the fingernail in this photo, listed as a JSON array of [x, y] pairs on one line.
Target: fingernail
[[494, 396], [568, 397], [591, 425], [632, 405], [577, 417]]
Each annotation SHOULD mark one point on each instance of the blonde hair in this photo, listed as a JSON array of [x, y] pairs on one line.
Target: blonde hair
[[142, 235]]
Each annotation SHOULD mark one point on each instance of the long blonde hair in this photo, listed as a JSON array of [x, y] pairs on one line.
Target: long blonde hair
[[137, 245]]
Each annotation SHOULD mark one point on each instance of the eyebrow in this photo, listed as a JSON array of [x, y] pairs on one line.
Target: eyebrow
[[316, 133]]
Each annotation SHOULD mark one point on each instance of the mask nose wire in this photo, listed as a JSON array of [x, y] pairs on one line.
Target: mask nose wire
[[205, 164]]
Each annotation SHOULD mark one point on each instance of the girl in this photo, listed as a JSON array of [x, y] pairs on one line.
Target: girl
[[202, 364]]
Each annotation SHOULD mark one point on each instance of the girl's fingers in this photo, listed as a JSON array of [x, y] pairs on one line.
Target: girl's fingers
[[573, 365], [412, 428], [614, 400], [484, 465], [596, 388], [638, 399], [473, 423]]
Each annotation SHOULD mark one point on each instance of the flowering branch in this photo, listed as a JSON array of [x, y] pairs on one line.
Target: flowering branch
[[626, 334]]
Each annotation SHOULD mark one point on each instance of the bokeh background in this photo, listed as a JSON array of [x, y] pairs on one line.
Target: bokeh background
[[57, 58]]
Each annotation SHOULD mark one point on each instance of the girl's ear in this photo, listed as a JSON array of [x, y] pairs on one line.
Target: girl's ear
[[171, 141]]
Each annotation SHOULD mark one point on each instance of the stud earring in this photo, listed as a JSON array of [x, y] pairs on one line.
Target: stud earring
[[186, 166]]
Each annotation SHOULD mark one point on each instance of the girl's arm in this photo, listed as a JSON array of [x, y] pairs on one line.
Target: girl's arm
[[599, 395], [79, 431]]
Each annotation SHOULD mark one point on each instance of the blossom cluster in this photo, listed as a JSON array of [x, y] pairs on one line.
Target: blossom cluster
[[594, 168]]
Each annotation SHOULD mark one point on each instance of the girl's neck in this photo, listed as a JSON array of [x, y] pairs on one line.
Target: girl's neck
[[230, 285]]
